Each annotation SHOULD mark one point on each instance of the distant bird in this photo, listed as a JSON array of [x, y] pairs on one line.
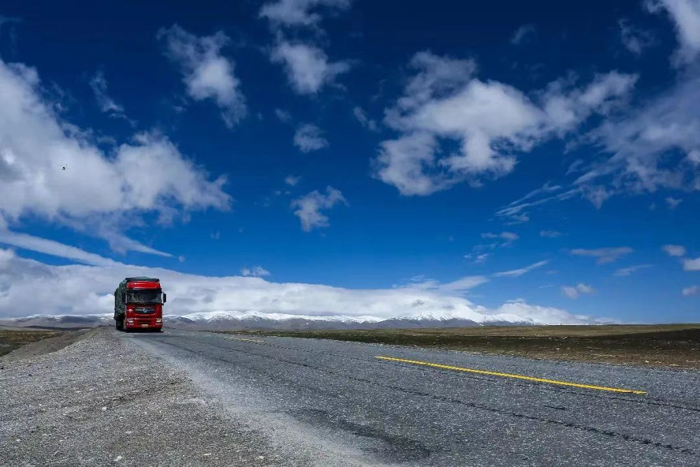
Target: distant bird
[[64, 167]]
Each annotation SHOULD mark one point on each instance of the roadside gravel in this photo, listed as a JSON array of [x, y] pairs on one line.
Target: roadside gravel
[[104, 401]]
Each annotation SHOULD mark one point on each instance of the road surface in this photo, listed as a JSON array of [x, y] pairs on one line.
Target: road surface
[[342, 404]]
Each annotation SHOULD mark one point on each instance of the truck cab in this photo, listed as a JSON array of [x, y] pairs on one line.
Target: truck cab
[[138, 304]]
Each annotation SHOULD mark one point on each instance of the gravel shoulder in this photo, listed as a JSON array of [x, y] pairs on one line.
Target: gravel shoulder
[[29, 343], [104, 401]]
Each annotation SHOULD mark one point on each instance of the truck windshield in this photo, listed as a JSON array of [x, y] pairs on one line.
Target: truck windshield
[[144, 296]]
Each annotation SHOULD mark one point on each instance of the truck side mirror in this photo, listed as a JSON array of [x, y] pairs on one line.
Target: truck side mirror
[[165, 298]]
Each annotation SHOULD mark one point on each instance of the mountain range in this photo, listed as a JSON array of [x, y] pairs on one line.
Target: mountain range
[[224, 320]]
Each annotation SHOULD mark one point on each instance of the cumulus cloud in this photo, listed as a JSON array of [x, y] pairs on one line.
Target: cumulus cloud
[[309, 138], [299, 12], [574, 292], [83, 289], [309, 207], [97, 192], [255, 271], [691, 291], [308, 67], [521, 271], [408, 163], [523, 33], [604, 255], [674, 250], [491, 121], [207, 74]]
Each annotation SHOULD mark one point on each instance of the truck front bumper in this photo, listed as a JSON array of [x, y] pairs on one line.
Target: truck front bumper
[[143, 323]]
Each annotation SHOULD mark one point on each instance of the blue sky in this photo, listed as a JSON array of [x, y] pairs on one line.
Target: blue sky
[[545, 154]]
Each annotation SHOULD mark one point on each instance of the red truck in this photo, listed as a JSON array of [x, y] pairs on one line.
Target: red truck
[[138, 304]]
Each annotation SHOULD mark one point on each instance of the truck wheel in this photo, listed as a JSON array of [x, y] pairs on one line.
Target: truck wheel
[[118, 324]]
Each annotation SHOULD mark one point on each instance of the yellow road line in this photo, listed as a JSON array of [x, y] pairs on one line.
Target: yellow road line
[[510, 375], [244, 339]]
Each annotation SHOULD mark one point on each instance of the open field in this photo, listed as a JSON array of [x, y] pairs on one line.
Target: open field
[[12, 339], [675, 345]]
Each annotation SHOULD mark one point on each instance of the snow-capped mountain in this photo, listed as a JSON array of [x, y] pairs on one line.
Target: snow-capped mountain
[[248, 320]]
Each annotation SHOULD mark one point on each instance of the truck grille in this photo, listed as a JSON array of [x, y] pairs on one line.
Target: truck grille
[[144, 310]]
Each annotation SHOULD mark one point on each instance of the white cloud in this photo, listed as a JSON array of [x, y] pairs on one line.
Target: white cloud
[[50, 247], [309, 208], [691, 264], [96, 190], [654, 146], [507, 237], [309, 138], [206, 73], [491, 121], [686, 17], [522, 34], [577, 290], [255, 271], [292, 180], [299, 12], [624, 272], [81, 289], [550, 234], [121, 243], [672, 202], [634, 39], [544, 314], [481, 252], [283, 115], [478, 258], [459, 286], [408, 164], [364, 120], [690, 291], [518, 211], [674, 250], [308, 68], [521, 271], [604, 255], [98, 83], [658, 144]]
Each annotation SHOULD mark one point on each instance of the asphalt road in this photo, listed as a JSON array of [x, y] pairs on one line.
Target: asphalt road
[[340, 404]]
